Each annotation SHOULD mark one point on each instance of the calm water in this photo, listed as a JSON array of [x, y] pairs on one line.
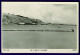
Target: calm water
[[38, 39]]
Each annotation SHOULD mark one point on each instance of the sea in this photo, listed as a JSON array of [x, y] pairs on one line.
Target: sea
[[39, 37]]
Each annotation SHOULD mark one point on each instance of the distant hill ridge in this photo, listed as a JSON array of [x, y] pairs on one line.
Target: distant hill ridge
[[15, 19], [8, 19]]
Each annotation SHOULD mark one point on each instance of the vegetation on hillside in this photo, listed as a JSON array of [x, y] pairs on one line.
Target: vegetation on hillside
[[15, 19]]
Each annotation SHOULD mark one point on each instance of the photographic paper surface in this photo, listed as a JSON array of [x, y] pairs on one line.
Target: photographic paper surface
[[39, 27]]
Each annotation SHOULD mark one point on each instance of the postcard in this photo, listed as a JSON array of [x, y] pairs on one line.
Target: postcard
[[39, 27]]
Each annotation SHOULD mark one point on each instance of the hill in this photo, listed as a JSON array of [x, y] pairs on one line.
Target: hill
[[16, 19]]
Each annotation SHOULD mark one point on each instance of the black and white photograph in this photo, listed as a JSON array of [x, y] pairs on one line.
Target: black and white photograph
[[39, 27]]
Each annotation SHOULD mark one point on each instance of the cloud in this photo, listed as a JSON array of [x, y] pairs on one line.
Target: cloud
[[46, 12]]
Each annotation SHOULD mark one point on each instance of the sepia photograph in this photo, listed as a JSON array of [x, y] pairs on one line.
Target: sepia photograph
[[39, 27]]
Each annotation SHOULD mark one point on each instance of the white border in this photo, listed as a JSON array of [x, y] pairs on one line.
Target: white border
[[42, 50], [39, 51]]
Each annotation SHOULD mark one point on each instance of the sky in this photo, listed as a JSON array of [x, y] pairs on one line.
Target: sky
[[47, 12]]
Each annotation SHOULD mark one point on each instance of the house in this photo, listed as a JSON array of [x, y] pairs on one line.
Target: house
[[21, 23]]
